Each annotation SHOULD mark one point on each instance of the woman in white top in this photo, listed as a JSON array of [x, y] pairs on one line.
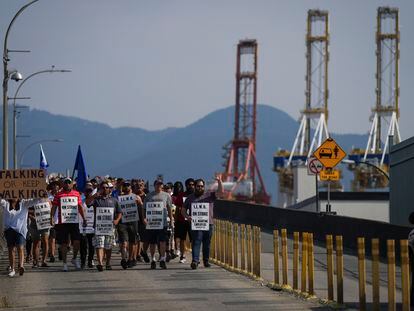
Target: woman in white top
[[15, 230]]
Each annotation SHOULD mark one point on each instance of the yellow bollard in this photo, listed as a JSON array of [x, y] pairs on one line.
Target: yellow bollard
[[218, 242], [213, 246], [249, 250], [254, 251], [391, 274], [310, 265], [243, 249], [276, 256], [405, 275], [295, 259], [259, 251], [329, 261], [375, 275], [284, 258], [339, 270], [222, 242], [361, 274], [235, 247], [304, 262], [230, 240]]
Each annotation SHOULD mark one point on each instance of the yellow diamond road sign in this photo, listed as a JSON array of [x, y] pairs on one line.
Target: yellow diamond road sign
[[329, 153]]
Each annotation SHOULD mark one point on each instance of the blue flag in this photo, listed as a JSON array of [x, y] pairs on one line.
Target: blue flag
[[80, 168], [43, 162]]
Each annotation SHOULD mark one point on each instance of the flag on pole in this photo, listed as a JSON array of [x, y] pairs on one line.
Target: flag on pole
[[43, 162], [81, 171]]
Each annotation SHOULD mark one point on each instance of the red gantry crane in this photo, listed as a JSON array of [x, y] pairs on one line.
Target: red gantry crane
[[242, 169]]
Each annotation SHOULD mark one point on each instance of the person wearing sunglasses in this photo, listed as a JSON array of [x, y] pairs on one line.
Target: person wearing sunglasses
[[201, 201]]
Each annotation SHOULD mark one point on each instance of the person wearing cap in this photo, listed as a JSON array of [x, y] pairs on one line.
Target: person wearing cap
[[158, 236], [87, 249], [66, 220]]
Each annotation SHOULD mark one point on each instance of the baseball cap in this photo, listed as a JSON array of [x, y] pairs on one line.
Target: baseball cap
[[68, 180]]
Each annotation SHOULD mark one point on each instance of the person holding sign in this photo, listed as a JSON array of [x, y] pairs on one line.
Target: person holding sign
[[108, 214], [15, 215], [157, 204], [200, 205], [66, 207], [128, 227]]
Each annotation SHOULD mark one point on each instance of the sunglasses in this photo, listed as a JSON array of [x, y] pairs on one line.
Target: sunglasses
[[200, 186]]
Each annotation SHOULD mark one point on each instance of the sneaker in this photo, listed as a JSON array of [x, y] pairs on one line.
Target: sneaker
[[193, 265], [12, 273], [65, 267], [130, 264], [52, 259], [108, 267], [9, 269], [207, 264], [77, 263], [183, 260], [35, 265], [153, 265], [124, 264], [177, 253], [145, 256], [21, 270], [139, 259], [134, 262], [99, 267], [163, 265], [44, 265], [90, 264], [83, 265], [168, 257]]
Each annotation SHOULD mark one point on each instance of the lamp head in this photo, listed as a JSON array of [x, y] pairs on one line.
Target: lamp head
[[16, 76]]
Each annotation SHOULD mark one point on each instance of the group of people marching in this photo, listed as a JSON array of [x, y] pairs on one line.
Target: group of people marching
[[106, 213]]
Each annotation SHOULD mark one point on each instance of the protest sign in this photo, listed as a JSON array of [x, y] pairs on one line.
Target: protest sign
[[200, 216], [104, 221], [69, 210], [155, 215], [23, 184], [89, 216], [42, 215], [129, 208]]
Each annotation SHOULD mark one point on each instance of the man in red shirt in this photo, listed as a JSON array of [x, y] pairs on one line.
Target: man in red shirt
[[68, 205]]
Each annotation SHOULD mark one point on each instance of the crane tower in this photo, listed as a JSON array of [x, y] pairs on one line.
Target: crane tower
[[241, 164], [386, 112]]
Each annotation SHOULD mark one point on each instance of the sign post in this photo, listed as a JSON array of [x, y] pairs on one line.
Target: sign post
[[314, 168], [330, 154]]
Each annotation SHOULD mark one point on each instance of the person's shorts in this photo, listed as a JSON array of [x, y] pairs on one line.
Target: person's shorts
[[128, 232], [155, 236], [52, 233], [38, 234], [182, 229], [14, 238], [103, 241], [64, 232]]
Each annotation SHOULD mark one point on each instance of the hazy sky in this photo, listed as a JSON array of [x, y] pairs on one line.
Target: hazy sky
[[156, 64]]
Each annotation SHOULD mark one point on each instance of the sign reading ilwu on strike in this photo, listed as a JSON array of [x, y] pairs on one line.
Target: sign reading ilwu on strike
[[155, 215], [104, 221], [23, 184], [129, 208], [42, 215], [200, 216]]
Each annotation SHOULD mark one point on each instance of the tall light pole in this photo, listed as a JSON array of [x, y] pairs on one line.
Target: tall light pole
[[6, 76], [52, 70], [57, 140]]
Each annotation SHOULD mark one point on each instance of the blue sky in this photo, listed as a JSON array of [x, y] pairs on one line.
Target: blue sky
[[156, 64]]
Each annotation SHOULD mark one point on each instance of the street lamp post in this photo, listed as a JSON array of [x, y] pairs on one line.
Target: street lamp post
[[6, 76], [368, 164], [52, 70], [57, 140]]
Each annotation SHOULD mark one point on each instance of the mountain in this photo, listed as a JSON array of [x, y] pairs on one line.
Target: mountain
[[177, 153]]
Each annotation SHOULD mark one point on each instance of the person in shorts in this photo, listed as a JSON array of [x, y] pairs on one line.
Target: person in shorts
[[158, 236]]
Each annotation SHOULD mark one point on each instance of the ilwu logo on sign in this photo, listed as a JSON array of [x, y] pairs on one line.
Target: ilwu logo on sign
[[69, 210], [200, 216], [104, 221], [42, 215], [129, 208]]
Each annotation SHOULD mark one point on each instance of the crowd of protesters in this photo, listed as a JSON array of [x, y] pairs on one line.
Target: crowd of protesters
[[144, 226]]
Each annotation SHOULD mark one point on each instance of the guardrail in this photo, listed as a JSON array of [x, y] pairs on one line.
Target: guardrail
[[237, 248]]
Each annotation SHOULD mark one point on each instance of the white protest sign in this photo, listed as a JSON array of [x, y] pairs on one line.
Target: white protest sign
[[200, 216], [69, 210], [42, 215], [89, 216], [129, 208], [155, 215], [104, 221]]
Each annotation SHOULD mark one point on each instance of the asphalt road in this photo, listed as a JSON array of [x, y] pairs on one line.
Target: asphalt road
[[177, 288]]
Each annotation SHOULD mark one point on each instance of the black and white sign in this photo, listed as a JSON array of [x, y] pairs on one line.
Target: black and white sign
[[200, 216], [89, 216], [129, 208], [69, 210], [314, 166], [104, 221], [155, 215], [42, 215]]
